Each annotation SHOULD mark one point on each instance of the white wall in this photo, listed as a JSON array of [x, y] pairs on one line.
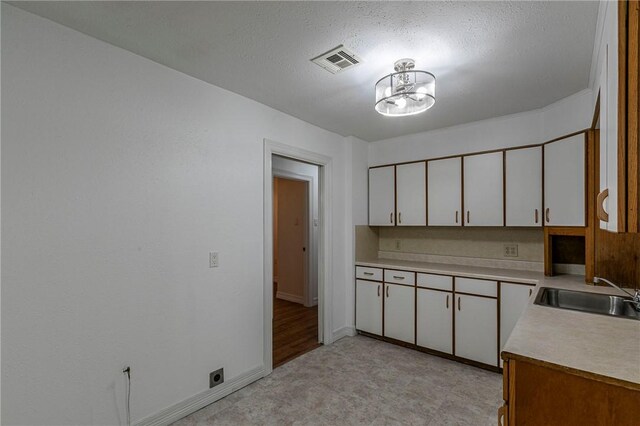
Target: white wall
[[119, 176], [566, 116]]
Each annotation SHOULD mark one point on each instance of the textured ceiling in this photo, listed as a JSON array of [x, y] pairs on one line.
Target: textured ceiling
[[490, 58]]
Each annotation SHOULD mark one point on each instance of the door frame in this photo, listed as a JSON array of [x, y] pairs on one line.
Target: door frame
[[309, 237], [325, 287]]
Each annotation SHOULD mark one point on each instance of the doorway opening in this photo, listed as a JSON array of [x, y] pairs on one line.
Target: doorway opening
[[296, 322], [323, 255]]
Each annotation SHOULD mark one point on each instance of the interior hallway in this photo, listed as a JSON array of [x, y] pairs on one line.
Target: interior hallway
[[295, 330], [359, 380]]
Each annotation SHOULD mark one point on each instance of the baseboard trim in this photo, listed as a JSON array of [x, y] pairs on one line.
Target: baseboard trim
[[192, 404], [344, 332], [290, 297]]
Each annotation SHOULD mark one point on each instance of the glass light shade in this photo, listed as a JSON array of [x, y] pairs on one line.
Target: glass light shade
[[405, 93]]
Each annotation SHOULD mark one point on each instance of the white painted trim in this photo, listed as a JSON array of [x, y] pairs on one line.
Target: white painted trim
[[200, 400], [290, 297], [325, 286], [310, 257], [346, 331]]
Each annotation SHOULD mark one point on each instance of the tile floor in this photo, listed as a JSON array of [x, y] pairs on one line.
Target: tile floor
[[362, 381]]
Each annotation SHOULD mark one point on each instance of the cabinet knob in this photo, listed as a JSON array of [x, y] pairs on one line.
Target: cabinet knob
[[400, 217], [391, 217], [447, 301], [546, 214], [387, 291], [536, 215], [378, 290], [459, 303], [468, 216], [456, 216]]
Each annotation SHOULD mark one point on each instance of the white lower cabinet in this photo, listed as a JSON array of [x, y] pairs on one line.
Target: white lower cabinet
[[399, 312], [513, 300], [452, 315], [476, 329], [435, 320], [369, 306]]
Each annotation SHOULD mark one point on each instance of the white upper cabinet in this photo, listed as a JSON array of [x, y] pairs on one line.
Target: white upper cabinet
[[382, 210], [564, 185], [444, 191], [483, 190], [411, 194], [523, 187], [608, 62]]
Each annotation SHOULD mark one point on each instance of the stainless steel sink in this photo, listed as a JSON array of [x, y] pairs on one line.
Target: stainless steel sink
[[594, 303]]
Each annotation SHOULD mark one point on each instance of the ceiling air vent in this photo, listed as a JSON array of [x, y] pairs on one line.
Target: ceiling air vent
[[337, 60]]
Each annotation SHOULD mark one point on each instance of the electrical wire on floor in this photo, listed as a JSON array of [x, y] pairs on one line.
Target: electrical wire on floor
[[127, 371]]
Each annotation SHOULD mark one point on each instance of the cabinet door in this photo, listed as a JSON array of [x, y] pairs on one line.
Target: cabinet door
[[369, 307], [564, 182], [609, 128], [444, 192], [399, 312], [483, 190], [523, 187], [382, 210], [513, 300], [476, 328], [411, 190], [435, 320]]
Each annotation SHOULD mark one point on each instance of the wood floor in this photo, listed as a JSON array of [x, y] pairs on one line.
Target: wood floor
[[295, 330]]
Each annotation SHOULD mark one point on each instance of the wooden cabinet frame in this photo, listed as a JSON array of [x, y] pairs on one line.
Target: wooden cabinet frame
[[540, 393], [628, 120], [629, 113]]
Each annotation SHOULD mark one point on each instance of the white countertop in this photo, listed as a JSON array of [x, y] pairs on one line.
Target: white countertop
[[598, 345]]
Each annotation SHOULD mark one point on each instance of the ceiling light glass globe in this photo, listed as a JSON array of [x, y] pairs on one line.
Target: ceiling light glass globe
[[405, 92], [421, 92]]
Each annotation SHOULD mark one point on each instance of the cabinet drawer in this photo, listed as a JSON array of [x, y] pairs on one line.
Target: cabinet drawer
[[365, 273], [475, 286], [438, 282], [399, 277]]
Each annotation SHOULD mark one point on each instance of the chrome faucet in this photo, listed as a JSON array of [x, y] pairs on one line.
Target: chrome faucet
[[635, 298]]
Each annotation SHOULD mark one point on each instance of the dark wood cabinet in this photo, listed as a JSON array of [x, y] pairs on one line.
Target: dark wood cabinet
[[536, 394]]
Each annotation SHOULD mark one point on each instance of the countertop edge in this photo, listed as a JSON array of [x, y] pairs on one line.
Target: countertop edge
[[574, 371]]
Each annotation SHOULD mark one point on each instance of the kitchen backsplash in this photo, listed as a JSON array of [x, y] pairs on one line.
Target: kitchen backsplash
[[435, 243]]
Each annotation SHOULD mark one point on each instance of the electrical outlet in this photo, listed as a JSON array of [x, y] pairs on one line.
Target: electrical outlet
[[213, 259], [216, 378], [510, 250], [398, 245]]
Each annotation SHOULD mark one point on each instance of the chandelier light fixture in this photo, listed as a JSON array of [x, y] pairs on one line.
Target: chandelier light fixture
[[406, 91]]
